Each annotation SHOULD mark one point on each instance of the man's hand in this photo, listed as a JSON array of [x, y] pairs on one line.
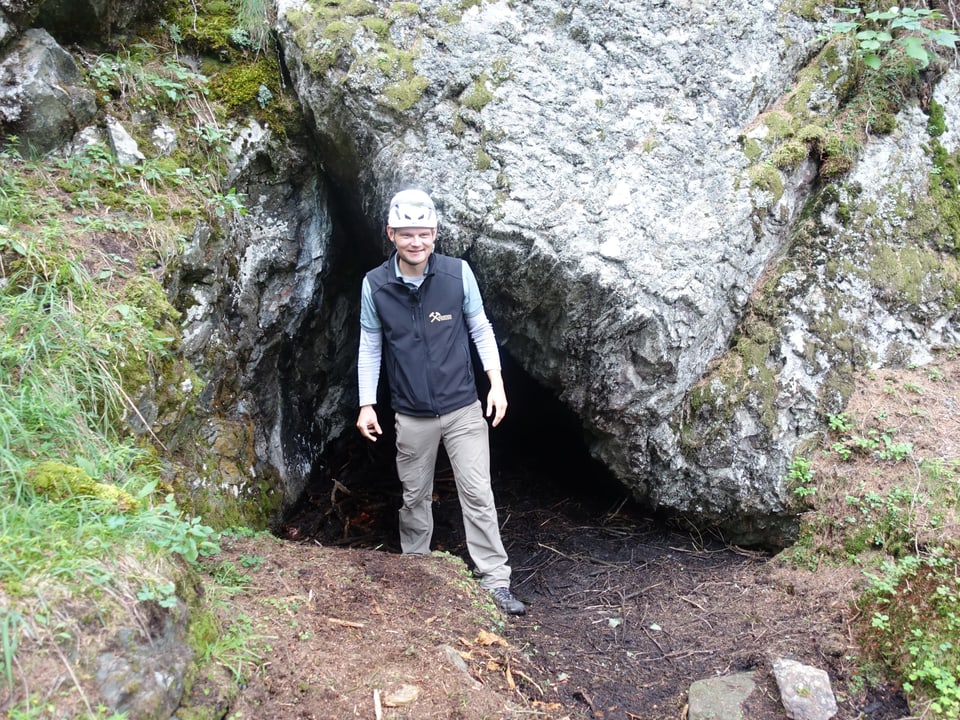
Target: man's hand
[[367, 423], [496, 398]]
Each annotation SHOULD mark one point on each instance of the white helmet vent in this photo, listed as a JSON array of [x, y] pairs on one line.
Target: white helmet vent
[[412, 208]]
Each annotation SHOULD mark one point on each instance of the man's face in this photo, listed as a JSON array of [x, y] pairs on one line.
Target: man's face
[[414, 246]]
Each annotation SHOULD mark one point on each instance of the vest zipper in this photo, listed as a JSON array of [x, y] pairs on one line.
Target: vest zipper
[[421, 326]]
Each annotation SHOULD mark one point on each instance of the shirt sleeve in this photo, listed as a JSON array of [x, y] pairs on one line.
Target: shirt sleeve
[[369, 320], [472, 300], [481, 332], [368, 365]]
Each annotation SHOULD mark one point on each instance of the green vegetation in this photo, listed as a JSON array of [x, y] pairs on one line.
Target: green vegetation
[[905, 31], [914, 620], [478, 94], [97, 525], [890, 47], [234, 41], [942, 206], [330, 28], [888, 504], [873, 495], [801, 478], [82, 510]]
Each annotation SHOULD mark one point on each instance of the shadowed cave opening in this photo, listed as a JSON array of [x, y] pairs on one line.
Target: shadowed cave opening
[[352, 495], [537, 452]]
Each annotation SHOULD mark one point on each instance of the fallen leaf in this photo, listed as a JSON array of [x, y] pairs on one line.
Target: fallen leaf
[[488, 638]]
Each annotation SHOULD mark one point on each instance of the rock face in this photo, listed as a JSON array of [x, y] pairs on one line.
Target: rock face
[[265, 317], [79, 20], [590, 162], [43, 100], [614, 173], [144, 677]]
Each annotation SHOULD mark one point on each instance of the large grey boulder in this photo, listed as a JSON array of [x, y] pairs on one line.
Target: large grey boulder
[[589, 160], [43, 98]]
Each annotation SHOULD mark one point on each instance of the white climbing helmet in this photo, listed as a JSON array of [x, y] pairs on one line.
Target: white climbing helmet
[[412, 208]]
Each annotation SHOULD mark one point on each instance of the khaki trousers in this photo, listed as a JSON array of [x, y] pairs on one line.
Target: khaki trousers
[[465, 437]]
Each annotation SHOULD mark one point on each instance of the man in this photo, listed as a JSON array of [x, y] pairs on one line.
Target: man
[[420, 310]]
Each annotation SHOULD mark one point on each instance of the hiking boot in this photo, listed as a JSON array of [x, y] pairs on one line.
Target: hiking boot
[[507, 603]]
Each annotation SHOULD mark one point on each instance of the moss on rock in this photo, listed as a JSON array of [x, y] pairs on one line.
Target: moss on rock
[[59, 481], [789, 155], [478, 95], [937, 122], [766, 177], [328, 36], [941, 207], [912, 275], [240, 85]]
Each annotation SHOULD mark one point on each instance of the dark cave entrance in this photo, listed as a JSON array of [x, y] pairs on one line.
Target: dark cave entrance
[[538, 454], [352, 495]]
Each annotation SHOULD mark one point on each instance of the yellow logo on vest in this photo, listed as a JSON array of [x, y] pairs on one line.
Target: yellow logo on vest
[[437, 317]]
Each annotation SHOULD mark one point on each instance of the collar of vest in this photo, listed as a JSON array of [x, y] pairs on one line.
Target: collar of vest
[[395, 263]]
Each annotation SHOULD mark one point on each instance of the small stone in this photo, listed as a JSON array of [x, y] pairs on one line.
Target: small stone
[[804, 691], [404, 695], [124, 147]]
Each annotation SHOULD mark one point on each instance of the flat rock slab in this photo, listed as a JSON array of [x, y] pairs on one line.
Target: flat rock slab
[[720, 698]]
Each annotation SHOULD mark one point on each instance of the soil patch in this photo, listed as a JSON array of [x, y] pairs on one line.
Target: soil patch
[[624, 612]]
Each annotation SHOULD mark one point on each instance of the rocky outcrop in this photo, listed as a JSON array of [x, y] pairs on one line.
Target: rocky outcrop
[[43, 99], [591, 162], [141, 672], [869, 278], [613, 174], [265, 318], [85, 20]]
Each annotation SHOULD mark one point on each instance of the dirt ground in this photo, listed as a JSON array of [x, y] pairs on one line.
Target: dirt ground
[[624, 611]]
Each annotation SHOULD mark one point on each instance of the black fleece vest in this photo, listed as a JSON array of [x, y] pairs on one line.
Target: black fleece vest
[[426, 345]]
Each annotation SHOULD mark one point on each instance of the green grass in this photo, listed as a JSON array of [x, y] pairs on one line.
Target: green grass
[[89, 527], [81, 515]]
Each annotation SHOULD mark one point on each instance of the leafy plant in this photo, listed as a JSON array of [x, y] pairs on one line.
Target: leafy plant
[[883, 520], [876, 443], [914, 606], [801, 476], [252, 16], [840, 423], [164, 594], [905, 31]]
